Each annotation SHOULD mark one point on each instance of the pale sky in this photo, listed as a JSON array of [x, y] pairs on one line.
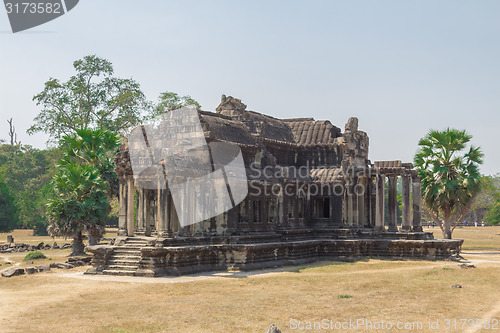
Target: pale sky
[[401, 67]]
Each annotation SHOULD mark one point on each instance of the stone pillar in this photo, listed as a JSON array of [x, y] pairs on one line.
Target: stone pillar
[[355, 202], [417, 193], [393, 203], [350, 202], [161, 223], [130, 206], [140, 210], [168, 213], [122, 212], [372, 200], [406, 203], [380, 203], [361, 192], [147, 212]]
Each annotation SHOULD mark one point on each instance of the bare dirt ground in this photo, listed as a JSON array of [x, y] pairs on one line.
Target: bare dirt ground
[[405, 292]]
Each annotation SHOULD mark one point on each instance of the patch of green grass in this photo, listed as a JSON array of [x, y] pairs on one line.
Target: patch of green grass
[[34, 255], [448, 269], [344, 296]]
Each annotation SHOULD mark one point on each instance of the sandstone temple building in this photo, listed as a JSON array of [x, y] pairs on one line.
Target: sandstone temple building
[[312, 194]]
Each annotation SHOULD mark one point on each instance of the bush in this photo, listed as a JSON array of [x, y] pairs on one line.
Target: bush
[[34, 255]]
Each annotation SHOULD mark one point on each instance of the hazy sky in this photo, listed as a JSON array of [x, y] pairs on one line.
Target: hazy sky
[[402, 67]]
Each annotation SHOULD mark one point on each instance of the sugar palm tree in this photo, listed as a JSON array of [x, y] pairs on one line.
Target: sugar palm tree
[[82, 186], [450, 176], [80, 203], [95, 147]]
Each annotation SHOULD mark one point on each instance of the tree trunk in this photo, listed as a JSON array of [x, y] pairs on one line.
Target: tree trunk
[[92, 239], [78, 247], [447, 224], [447, 230]]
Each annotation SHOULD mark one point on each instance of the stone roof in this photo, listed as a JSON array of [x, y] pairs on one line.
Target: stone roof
[[225, 129], [329, 175], [307, 131]]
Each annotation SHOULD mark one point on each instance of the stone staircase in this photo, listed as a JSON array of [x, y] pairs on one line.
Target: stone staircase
[[125, 259]]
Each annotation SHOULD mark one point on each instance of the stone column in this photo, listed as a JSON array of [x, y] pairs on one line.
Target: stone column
[[168, 213], [160, 206], [147, 211], [393, 203], [417, 193], [380, 203], [361, 192], [140, 210], [122, 213], [350, 202], [130, 206], [372, 199], [406, 203]]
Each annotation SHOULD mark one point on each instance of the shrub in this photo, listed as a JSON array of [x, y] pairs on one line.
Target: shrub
[[34, 255]]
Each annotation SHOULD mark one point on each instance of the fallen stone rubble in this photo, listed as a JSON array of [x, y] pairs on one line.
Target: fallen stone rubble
[[70, 263], [21, 247]]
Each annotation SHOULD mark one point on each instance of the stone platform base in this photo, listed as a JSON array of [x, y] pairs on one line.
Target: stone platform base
[[157, 258]]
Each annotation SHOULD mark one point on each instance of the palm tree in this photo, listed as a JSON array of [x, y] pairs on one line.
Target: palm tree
[[450, 178], [95, 147], [84, 181], [80, 203]]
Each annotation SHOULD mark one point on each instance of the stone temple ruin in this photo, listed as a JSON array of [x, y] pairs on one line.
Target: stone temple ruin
[[313, 195]]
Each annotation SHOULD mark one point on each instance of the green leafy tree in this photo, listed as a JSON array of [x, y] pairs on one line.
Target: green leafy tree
[[27, 173], [92, 98], [450, 176], [484, 200], [170, 101], [8, 210], [493, 214]]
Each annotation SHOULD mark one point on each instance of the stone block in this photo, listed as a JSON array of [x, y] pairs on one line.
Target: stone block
[[42, 268], [30, 270], [10, 272]]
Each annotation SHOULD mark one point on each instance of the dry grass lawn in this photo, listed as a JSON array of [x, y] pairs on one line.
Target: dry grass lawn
[[395, 291]]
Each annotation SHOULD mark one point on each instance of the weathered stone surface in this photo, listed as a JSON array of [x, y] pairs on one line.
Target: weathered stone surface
[[64, 265], [14, 271], [42, 268], [40, 246], [79, 259], [30, 270], [456, 286], [99, 250], [10, 239], [352, 124], [467, 266]]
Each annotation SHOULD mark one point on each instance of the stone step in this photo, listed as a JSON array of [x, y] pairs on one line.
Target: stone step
[[122, 267], [127, 256], [130, 255], [127, 251], [137, 248], [121, 261], [118, 272]]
